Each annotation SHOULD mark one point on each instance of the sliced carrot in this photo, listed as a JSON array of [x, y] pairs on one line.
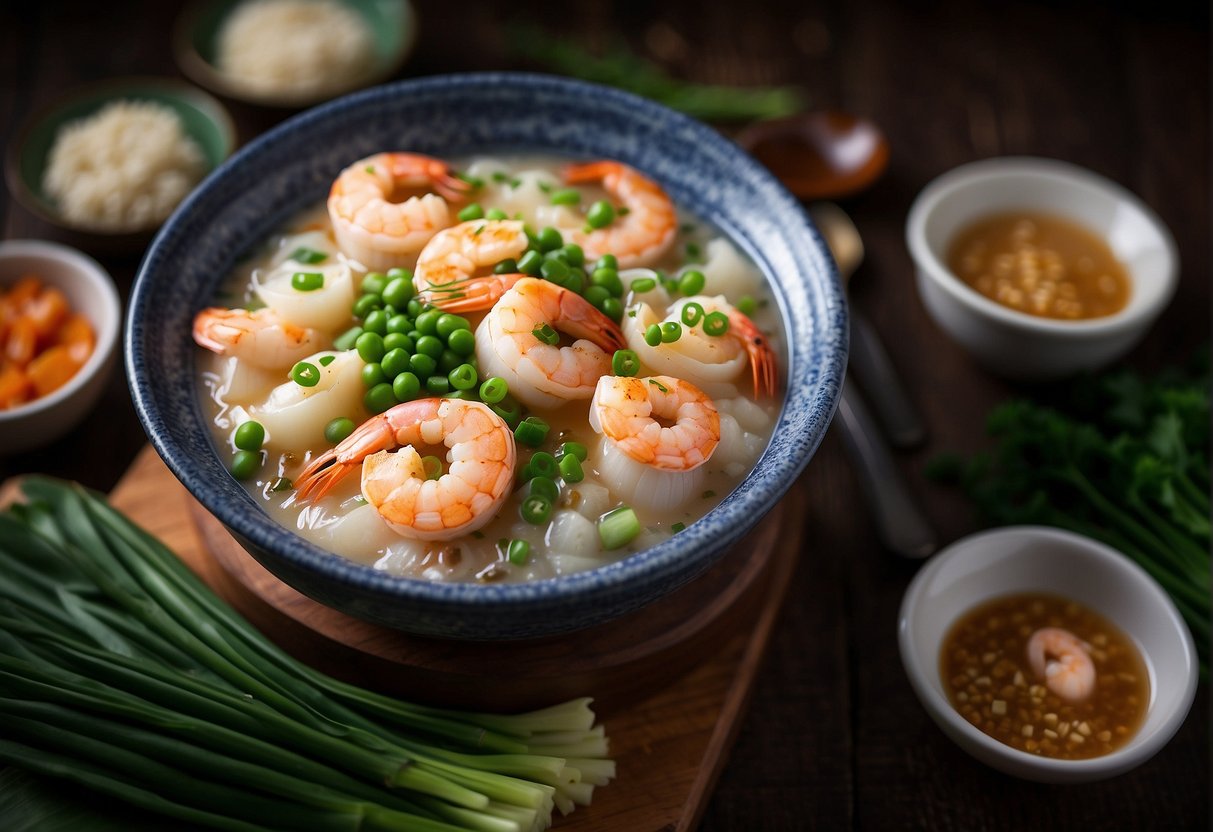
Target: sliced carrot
[[22, 340], [15, 387], [48, 311], [24, 290], [77, 334], [52, 369]]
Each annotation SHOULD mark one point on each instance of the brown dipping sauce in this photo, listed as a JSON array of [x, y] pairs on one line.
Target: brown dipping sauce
[[990, 681], [1040, 264]]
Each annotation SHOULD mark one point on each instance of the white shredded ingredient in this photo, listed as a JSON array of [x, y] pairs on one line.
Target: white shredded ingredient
[[124, 168], [296, 48]]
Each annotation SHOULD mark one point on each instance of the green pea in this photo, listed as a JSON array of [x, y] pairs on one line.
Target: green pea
[[405, 387], [554, 270], [379, 398], [549, 239], [370, 347], [531, 263], [397, 341], [691, 283], [566, 196], [398, 273], [671, 331], [366, 304], [596, 295], [575, 282], [558, 254], [429, 345], [427, 322], [395, 362], [245, 464], [376, 322], [652, 335], [746, 305], [607, 261], [507, 266], [339, 429], [496, 214], [462, 342], [423, 365], [471, 212], [249, 436], [449, 360], [307, 281], [398, 292], [574, 254], [608, 279], [438, 385], [373, 374], [600, 215], [643, 284], [373, 283], [613, 309], [414, 308], [448, 323]]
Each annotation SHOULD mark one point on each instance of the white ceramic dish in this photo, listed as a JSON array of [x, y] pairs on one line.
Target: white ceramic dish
[[90, 291], [1015, 344], [1038, 559]]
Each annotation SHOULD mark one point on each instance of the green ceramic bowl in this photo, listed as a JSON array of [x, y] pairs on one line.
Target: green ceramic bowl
[[203, 118], [392, 24]]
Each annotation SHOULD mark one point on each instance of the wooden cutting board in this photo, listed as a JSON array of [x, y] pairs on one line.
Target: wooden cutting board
[[669, 736]]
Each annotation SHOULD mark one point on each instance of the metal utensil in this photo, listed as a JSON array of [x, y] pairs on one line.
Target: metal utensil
[[869, 359]]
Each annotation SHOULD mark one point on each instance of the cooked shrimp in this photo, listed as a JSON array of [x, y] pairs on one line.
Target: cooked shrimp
[[644, 232], [543, 375], [1063, 661], [446, 274], [262, 338], [703, 358], [385, 208], [481, 456], [657, 434]]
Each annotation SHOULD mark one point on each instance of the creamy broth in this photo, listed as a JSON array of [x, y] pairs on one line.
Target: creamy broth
[[344, 523]]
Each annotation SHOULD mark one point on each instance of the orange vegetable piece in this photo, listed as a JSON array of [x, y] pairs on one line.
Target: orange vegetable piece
[[48, 310], [52, 369], [23, 291], [22, 340], [15, 387], [77, 335]]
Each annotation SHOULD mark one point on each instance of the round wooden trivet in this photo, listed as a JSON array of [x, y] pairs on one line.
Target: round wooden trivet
[[615, 662]]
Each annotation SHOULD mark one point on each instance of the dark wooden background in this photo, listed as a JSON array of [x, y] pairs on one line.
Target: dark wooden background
[[834, 737]]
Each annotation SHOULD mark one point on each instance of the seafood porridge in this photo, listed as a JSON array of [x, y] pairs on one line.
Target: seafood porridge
[[508, 370]]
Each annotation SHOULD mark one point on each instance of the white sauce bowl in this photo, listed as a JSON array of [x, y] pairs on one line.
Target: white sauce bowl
[[1015, 344], [1021, 559]]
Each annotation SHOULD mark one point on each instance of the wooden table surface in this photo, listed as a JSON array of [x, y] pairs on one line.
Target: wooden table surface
[[834, 737]]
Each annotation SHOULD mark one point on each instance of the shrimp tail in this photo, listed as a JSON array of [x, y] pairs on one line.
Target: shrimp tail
[[320, 477], [203, 322], [575, 174], [449, 186], [471, 295], [762, 357]]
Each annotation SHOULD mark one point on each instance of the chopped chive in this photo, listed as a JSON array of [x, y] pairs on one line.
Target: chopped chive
[[500, 176], [326, 360], [566, 196], [570, 468], [709, 494], [693, 252], [494, 390], [345, 341], [692, 313], [509, 410], [463, 377], [623, 210], [716, 323], [687, 227], [432, 466], [305, 374], [369, 169], [535, 509], [618, 528], [659, 385], [282, 484], [545, 187], [542, 464], [643, 284], [546, 334], [544, 487], [677, 527], [303, 254], [573, 449], [471, 212], [532, 431]]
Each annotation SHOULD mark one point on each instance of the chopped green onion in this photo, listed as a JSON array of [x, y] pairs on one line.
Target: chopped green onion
[[346, 340], [746, 305], [566, 196], [406, 386], [493, 390], [432, 466], [326, 360], [532, 431], [671, 331], [282, 484], [570, 469], [692, 313], [542, 464], [245, 464], [709, 494], [471, 212], [509, 410], [643, 284], [573, 449], [249, 436], [308, 255], [600, 215], [652, 335], [535, 509], [518, 551], [691, 283], [379, 398], [677, 527], [339, 429], [463, 377], [626, 363], [305, 374], [618, 528], [545, 487], [438, 385], [716, 323], [546, 334]]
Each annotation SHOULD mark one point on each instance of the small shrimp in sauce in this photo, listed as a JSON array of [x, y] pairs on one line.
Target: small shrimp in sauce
[[1063, 660]]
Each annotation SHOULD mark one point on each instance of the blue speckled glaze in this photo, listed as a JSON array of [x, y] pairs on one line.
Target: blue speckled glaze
[[291, 168]]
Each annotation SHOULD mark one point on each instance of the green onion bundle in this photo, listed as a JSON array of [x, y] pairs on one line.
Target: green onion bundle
[[122, 673]]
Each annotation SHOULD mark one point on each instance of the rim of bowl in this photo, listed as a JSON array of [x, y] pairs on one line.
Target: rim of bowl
[[921, 670], [665, 558], [102, 286], [203, 72], [946, 184], [33, 203]]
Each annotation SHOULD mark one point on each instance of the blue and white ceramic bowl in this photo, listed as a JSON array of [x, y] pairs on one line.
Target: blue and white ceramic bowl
[[292, 167]]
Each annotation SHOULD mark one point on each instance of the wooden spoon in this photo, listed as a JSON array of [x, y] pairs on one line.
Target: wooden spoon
[[819, 155]]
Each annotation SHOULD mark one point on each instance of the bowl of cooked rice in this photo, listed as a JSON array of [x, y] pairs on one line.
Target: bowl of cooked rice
[[292, 53], [109, 162]]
